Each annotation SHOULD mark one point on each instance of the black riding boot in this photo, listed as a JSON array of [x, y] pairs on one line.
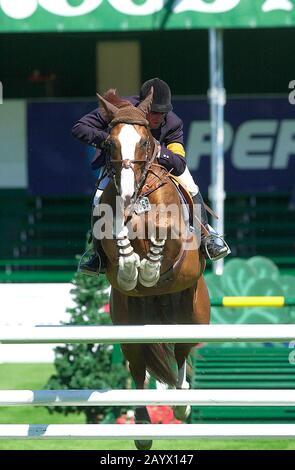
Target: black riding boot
[[97, 263], [212, 245]]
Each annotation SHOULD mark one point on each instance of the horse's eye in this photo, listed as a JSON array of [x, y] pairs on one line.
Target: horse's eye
[[144, 143]]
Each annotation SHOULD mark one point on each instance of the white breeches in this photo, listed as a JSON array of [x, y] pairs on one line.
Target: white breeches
[[102, 185], [187, 180]]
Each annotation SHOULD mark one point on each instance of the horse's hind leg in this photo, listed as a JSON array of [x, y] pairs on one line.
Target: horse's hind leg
[[181, 352], [121, 315], [134, 355], [196, 311]]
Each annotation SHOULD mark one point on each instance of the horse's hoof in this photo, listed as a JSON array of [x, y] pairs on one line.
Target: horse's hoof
[[181, 412], [142, 417], [143, 445]]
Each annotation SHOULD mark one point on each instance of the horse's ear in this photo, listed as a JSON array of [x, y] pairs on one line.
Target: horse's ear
[[145, 105], [109, 110]]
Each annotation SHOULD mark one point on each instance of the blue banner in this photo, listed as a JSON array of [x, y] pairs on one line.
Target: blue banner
[[259, 144], [58, 163]]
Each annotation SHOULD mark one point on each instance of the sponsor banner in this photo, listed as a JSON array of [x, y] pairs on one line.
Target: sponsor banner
[[259, 145], [118, 15]]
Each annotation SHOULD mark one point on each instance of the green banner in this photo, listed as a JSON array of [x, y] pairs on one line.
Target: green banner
[[148, 15]]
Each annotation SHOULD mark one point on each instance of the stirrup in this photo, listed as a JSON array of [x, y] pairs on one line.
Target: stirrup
[[88, 254], [225, 245]]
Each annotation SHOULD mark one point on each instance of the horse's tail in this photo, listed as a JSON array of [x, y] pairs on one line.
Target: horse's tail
[[159, 357]]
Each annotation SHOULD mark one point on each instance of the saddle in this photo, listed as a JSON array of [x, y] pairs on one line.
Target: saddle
[[187, 198]]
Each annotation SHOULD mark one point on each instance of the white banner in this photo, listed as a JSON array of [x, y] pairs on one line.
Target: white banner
[[31, 305]]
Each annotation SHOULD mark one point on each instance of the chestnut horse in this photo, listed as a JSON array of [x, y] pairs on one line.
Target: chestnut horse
[[156, 275]]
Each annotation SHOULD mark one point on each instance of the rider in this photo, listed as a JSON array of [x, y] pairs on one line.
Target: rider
[[167, 128]]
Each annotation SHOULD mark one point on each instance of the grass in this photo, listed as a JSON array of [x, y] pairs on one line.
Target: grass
[[34, 376]]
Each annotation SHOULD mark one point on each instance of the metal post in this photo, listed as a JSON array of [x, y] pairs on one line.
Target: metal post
[[217, 100]]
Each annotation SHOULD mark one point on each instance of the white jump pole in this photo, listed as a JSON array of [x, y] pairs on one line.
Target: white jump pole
[[146, 431], [147, 334], [230, 397], [217, 98]]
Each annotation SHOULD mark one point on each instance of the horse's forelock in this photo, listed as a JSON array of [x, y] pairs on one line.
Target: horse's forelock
[[112, 97]]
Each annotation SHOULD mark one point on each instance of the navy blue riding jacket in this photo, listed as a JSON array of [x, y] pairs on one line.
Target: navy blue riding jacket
[[92, 129]]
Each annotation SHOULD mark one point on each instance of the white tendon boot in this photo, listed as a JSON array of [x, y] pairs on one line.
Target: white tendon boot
[[129, 262], [182, 412], [149, 271]]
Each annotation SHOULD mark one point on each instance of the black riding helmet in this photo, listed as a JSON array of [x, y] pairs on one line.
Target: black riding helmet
[[162, 95]]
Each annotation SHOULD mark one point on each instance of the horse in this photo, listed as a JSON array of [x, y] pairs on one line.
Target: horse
[[156, 278]]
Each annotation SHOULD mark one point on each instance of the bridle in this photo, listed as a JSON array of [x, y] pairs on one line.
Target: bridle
[[127, 163]]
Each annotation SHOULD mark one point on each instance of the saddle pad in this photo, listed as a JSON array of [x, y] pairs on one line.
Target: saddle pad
[[184, 195]]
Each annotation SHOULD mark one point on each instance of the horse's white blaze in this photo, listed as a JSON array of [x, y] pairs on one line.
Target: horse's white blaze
[[127, 183], [128, 138]]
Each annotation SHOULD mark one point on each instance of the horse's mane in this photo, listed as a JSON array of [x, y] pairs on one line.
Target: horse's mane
[[112, 97], [125, 113]]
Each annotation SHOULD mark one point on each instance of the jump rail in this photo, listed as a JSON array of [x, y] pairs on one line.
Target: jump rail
[[147, 334], [147, 397], [146, 431], [255, 301]]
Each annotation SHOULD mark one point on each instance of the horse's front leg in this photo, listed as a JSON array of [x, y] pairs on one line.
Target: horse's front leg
[[149, 271], [129, 262]]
